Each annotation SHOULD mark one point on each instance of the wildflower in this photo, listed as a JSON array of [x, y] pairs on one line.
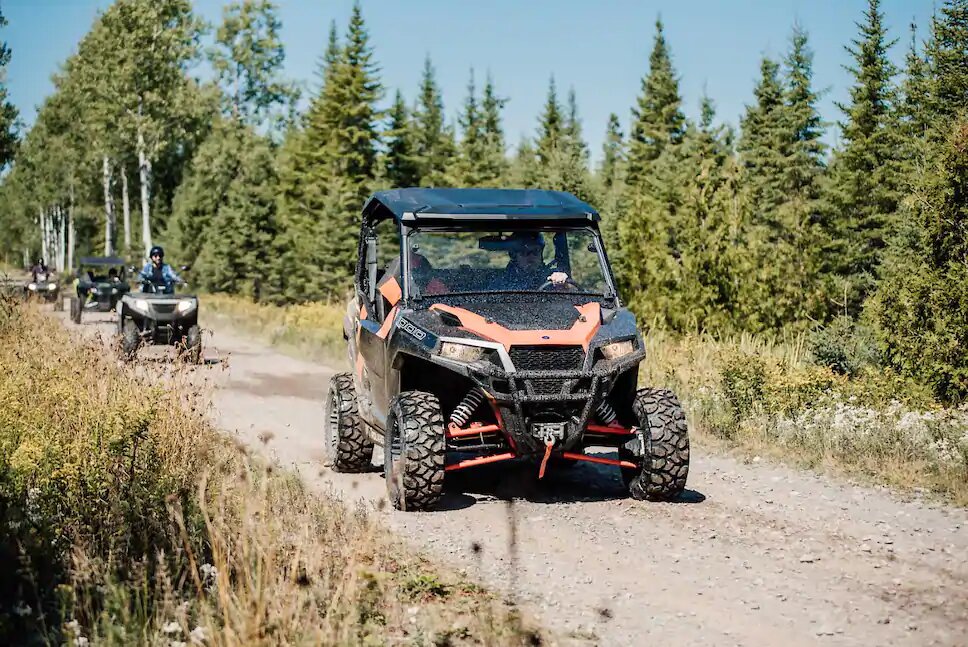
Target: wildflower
[[197, 636], [209, 572], [80, 641], [171, 628], [74, 627]]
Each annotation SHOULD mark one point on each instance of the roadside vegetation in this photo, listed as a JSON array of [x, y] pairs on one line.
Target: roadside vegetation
[[127, 519]]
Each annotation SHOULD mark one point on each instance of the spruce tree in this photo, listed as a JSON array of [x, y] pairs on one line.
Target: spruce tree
[[805, 157], [657, 119], [472, 142], [493, 166], [610, 179], [947, 55], [400, 162], [762, 142], [435, 147], [863, 187], [550, 126]]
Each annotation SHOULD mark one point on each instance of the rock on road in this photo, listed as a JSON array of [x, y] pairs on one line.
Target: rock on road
[[755, 554]]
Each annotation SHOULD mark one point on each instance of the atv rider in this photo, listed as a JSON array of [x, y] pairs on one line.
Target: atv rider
[[39, 272], [159, 273], [526, 269]]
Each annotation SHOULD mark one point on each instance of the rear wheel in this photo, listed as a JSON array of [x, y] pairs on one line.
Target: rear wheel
[[414, 450], [348, 448], [664, 465], [192, 351], [130, 339]]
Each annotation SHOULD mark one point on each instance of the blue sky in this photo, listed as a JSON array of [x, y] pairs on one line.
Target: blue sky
[[600, 48]]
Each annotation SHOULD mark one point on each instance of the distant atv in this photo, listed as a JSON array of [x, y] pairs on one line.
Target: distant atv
[[495, 333], [44, 287], [156, 315], [101, 282]]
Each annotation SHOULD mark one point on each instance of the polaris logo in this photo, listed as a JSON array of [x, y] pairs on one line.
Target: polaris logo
[[413, 330]]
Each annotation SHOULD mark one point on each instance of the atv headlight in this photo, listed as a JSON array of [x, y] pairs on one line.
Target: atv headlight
[[114, 290], [51, 286], [185, 306], [617, 349], [31, 286], [461, 352], [94, 291], [139, 304]]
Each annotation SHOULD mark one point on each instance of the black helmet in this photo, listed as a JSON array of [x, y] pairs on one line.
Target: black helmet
[[156, 250]]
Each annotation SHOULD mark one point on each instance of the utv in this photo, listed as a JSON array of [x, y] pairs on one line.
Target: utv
[[44, 287], [101, 282], [157, 315], [494, 333]]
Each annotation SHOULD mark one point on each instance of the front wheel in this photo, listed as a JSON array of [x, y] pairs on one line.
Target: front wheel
[[663, 465], [348, 448], [192, 350], [414, 449], [130, 339]]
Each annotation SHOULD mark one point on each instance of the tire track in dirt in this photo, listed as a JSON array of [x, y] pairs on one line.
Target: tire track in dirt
[[754, 554]]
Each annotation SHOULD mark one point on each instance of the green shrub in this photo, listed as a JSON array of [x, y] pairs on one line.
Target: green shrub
[[844, 346]]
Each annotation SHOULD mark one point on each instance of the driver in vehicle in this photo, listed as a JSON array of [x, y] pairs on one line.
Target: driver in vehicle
[[39, 271], [157, 272], [526, 269]]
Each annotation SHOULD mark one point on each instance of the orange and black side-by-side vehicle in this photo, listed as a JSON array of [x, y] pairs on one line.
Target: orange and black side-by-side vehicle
[[485, 327]]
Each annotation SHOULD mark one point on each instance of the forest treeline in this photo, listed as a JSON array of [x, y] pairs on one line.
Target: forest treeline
[[758, 228]]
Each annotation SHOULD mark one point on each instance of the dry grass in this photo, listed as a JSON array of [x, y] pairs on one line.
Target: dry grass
[[309, 330], [126, 518]]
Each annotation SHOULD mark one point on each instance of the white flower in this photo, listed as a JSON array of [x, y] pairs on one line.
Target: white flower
[[171, 628], [177, 643], [74, 627], [80, 641], [197, 636]]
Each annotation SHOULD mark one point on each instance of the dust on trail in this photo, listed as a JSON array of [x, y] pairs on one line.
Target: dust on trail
[[752, 555]]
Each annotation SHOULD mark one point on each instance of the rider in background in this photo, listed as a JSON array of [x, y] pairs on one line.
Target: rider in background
[[39, 272], [157, 272]]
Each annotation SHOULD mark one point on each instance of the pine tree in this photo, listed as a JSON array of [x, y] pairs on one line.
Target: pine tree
[[237, 255], [435, 147], [947, 55], [914, 103], [400, 162], [611, 179], [657, 119], [921, 304], [550, 126], [805, 157], [863, 186], [472, 142], [8, 113], [762, 143], [493, 167]]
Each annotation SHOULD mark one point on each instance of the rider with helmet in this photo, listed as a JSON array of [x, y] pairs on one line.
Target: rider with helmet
[[39, 272], [157, 272], [526, 269]]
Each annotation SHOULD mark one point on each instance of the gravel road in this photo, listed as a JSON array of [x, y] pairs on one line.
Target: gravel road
[[753, 554]]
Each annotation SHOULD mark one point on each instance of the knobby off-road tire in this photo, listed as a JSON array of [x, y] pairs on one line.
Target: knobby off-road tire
[[348, 448], [130, 339], [665, 465], [76, 308], [192, 345], [414, 449]]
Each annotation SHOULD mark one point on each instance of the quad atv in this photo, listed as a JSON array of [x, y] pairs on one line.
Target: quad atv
[[44, 287], [157, 315], [494, 333], [101, 282]]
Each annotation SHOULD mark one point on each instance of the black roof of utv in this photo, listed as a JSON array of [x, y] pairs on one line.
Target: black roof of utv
[[425, 205]]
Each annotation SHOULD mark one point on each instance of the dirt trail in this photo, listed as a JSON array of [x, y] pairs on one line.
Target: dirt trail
[[754, 554]]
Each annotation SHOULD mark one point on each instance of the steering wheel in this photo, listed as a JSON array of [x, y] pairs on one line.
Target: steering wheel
[[549, 284]]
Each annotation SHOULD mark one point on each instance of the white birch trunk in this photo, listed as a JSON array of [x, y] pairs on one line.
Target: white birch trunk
[[126, 209], [44, 236], [108, 210], [144, 176], [61, 239], [71, 242]]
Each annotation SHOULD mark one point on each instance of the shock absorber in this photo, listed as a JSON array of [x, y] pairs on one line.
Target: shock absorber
[[463, 411], [605, 412]]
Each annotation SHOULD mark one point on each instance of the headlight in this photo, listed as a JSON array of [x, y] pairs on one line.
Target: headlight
[[461, 352], [31, 286], [140, 304], [51, 286], [617, 349], [185, 306], [94, 291], [114, 290]]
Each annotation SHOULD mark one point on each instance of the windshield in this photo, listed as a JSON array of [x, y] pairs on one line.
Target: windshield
[[513, 261]]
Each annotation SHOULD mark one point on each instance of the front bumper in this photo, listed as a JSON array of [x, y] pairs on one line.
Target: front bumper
[[525, 408]]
